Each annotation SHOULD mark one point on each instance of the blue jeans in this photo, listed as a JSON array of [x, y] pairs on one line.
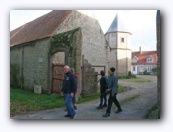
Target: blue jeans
[[103, 97], [68, 104]]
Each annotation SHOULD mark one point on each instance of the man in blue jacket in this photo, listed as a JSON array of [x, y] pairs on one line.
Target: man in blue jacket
[[68, 89], [113, 89]]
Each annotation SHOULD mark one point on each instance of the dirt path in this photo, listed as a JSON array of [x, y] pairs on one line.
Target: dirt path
[[135, 109]]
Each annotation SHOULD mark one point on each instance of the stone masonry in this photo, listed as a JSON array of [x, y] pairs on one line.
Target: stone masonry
[[120, 52], [35, 64], [93, 42], [34, 58]]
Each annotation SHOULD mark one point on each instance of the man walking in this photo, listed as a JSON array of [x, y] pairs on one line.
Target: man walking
[[113, 89], [68, 90]]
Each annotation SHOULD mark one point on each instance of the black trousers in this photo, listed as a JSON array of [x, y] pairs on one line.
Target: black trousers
[[110, 101]]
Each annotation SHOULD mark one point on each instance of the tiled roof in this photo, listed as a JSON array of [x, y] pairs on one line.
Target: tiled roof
[[143, 56], [39, 28]]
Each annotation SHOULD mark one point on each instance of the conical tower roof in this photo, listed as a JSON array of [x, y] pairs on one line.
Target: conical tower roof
[[117, 25]]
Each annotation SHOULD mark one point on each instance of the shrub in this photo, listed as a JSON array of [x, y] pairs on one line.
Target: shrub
[[146, 73], [154, 70]]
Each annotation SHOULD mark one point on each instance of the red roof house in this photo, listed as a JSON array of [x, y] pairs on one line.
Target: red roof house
[[143, 60]]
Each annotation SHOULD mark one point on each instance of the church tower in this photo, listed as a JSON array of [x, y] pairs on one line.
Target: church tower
[[119, 54]]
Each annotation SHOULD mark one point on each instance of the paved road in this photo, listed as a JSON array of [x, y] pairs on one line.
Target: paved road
[[135, 109]]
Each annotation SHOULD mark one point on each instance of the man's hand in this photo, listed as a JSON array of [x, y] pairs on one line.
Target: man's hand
[[71, 94]]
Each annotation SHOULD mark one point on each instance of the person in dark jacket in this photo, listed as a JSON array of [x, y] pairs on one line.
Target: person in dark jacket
[[103, 87], [68, 89], [113, 89]]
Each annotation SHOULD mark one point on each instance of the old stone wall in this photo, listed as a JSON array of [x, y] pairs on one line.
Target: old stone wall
[[89, 41], [77, 40], [35, 63], [15, 66], [58, 58], [93, 47], [68, 45], [93, 42], [89, 79], [112, 58], [112, 39]]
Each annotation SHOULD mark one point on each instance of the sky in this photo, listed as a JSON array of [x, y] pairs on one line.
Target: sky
[[140, 23]]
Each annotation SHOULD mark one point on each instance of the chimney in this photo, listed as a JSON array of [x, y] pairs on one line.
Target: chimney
[[140, 50]]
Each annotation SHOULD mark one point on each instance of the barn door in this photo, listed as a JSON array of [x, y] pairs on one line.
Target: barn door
[[57, 77]]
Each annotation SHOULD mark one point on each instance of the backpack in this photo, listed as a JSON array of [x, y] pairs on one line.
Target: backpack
[[106, 78]]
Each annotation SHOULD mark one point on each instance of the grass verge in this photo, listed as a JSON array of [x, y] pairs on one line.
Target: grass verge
[[24, 101], [153, 113], [136, 80]]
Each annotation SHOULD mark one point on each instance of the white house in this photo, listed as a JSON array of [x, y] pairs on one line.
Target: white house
[[143, 60]]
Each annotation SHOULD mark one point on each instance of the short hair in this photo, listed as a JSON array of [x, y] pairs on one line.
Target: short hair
[[102, 73], [112, 69], [67, 67]]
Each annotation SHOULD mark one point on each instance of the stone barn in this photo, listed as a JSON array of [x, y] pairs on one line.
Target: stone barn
[[39, 49]]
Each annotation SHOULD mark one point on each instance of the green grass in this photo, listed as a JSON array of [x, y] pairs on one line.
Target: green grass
[[24, 101], [153, 113], [88, 98], [120, 89], [136, 80]]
